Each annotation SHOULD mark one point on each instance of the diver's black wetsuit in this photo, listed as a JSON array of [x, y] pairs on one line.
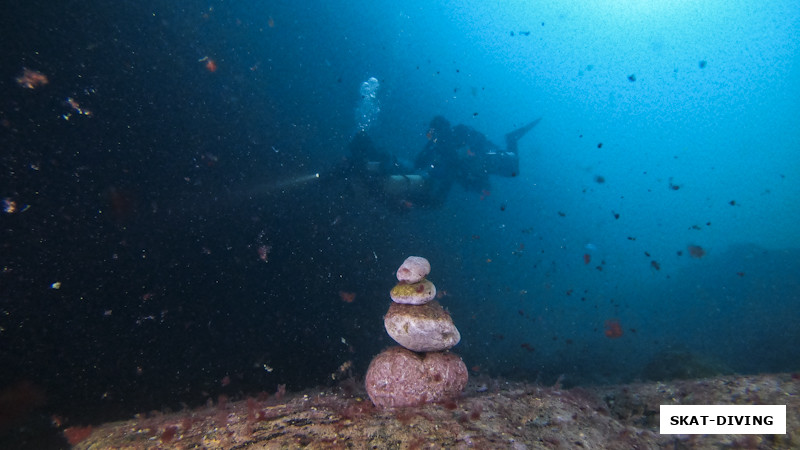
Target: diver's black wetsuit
[[459, 154]]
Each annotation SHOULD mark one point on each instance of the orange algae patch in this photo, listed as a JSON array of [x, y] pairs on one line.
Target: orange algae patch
[[75, 435]]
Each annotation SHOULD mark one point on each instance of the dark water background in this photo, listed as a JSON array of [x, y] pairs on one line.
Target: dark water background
[[664, 126]]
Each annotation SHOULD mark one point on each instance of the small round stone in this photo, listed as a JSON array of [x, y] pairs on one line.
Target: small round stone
[[413, 294], [421, 328], [414, 268], [398, 377]]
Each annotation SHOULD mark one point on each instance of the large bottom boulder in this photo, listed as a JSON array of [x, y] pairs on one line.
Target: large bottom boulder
[[398, 377]]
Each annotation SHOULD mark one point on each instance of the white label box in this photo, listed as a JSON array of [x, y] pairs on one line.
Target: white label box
[[723, 419]]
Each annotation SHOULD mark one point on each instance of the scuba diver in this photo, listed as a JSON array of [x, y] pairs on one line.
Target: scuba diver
[[459, 154]]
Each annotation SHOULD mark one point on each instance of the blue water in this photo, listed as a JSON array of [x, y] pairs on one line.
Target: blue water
[[665, 125]]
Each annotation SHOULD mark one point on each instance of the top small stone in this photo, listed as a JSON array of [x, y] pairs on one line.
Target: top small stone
[[414, 269]]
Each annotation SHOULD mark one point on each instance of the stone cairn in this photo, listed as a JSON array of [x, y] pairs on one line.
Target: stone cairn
[[421, 370]]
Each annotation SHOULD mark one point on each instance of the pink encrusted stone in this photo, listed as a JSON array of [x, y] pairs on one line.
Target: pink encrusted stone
[[414, 269], [398, 377]]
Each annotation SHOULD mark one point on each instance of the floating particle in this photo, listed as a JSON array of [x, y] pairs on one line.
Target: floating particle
[[263, 252], [599, 145], [632, 78], [528, 347], [210, 64], [31, 79], [9, 206], [702, 64], [347, 297], [696, 251], [56, 285], [599, 179], [76, 107], [613, 329]]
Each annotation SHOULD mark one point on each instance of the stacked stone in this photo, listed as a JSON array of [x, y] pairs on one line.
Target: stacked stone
[[422, 370]]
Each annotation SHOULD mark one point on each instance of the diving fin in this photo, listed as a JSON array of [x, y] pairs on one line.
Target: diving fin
[[516, 135]]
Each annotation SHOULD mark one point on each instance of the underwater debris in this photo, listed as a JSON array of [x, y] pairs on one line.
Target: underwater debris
[[528, 347], [613, 329], [210, 64], [696, 251], [347, 297], [31, 79]]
